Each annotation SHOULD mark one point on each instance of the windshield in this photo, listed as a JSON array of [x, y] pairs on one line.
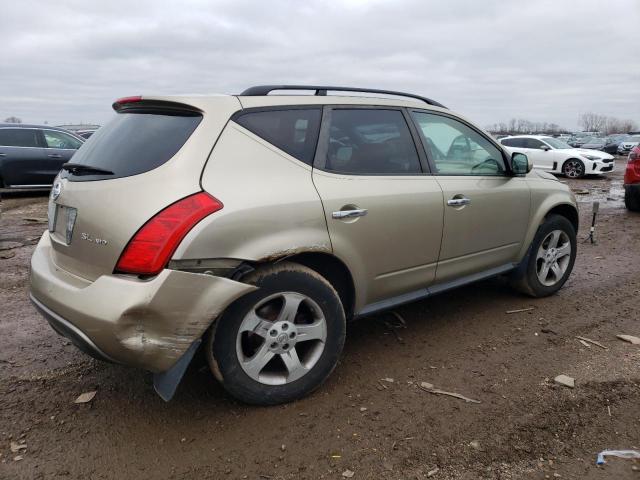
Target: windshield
[[556, 142]]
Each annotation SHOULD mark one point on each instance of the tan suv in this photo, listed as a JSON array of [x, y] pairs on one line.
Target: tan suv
[[253, 226]]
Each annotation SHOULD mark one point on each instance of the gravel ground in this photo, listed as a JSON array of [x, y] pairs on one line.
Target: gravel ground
[[462, 341]]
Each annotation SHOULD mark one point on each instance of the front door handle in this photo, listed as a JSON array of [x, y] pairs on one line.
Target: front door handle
[[54, 155], [342, 214], [458, 201]]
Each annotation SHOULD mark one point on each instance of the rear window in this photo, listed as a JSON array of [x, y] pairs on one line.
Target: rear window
[[18, 137], [294, 131], [134, 143]]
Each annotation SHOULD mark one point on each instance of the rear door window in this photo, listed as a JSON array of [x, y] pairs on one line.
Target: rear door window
[[19, 137], [134, 143], [63, 140], [371, 142], [293, 131]]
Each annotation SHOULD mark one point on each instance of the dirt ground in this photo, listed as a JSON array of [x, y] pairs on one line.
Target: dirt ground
[[463, 341]]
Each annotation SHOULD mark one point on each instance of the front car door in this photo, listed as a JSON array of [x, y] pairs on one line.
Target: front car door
[[21, 157], [486, 211], [59, 148], [383, 211], [542, 158]]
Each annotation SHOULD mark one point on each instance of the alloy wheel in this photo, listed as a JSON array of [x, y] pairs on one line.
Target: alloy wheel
[[281, 338], [574, 169], [553, 258]]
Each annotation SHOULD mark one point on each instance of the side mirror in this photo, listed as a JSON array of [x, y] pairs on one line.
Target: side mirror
[[546, 148], [520, 164]]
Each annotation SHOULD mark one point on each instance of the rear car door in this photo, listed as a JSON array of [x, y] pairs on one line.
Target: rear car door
[[486, 212], [383, 211], [21, 157], [59, 148]]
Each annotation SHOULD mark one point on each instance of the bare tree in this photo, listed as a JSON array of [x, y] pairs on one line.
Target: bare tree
[[12, 120], [520, 126]]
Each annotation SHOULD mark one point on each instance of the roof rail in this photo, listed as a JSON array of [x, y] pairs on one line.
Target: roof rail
[[322, 90]]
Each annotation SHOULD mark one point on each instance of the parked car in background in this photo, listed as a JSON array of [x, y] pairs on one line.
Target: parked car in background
[[607, 145], [628, 144], [632, 181], [554, 155], [32, 155], [254, 226]]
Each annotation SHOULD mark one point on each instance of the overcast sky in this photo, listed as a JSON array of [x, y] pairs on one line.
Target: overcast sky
[[66, 61]]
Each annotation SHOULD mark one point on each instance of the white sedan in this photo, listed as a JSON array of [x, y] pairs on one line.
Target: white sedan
[[555, 156]]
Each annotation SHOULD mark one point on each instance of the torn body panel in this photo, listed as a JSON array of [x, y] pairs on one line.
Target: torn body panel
[[144, 323]]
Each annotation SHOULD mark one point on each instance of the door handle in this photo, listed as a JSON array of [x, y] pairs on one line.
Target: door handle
[[341, 214], [458, 202], [54, 155]]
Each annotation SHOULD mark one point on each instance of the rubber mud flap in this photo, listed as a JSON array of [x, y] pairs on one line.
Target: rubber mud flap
[[166, 383]]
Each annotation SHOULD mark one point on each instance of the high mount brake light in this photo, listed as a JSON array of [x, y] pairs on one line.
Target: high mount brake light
[[124, 100], [151, 248]]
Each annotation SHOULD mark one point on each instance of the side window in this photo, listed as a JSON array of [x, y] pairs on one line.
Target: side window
[[294, 131], [533, 143], [456, 149], [371, 142], [18, 137], [61, 140], [511, 142]]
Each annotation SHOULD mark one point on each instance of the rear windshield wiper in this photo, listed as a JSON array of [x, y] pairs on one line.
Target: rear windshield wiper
[[81, 169]]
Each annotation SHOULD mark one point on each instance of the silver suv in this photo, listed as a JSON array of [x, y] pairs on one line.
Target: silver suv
[[254, 226]]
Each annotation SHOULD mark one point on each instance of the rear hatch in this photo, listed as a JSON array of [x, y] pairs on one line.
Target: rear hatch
[[150, 155]]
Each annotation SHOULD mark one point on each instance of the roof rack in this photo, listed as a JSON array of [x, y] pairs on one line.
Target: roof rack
[[322, 91]]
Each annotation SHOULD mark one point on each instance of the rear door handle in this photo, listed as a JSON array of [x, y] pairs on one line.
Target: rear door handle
[[458, 201], [54, 155], [341, 214]]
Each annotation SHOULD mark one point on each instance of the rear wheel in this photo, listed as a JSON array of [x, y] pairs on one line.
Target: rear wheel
[[550, 259], [280, 342], [573, 168]]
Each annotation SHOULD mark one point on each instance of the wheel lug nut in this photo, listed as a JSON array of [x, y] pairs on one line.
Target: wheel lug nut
[[274, 345], [285, 326], [273, 333], [285, 346], [292, 335]]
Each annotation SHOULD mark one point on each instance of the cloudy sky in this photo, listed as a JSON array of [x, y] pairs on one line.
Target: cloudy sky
[[66, 61]]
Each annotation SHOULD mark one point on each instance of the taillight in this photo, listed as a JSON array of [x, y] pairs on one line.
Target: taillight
[[150, 249]]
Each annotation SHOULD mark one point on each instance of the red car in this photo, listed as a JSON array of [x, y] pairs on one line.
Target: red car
[[632, 181]]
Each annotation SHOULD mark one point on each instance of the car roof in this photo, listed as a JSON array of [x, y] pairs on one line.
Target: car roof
[[538, 137], [206, 102], [30, 125]]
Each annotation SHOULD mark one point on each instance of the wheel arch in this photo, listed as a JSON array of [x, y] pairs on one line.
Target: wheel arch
[[557, 204], [333, 270]]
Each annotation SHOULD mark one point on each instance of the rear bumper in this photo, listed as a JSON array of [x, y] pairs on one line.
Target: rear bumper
[[147, 323]]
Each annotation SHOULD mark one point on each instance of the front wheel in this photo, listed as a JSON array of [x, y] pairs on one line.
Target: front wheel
[[550, 259], [632, 199], [573, 168], [280, 342]]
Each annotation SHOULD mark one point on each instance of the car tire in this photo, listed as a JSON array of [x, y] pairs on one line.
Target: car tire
[[256, 349], [574, 168], [632, 199], [550, 259]]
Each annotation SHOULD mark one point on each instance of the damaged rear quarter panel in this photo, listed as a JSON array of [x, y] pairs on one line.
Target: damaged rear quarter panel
[[271, 207]]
